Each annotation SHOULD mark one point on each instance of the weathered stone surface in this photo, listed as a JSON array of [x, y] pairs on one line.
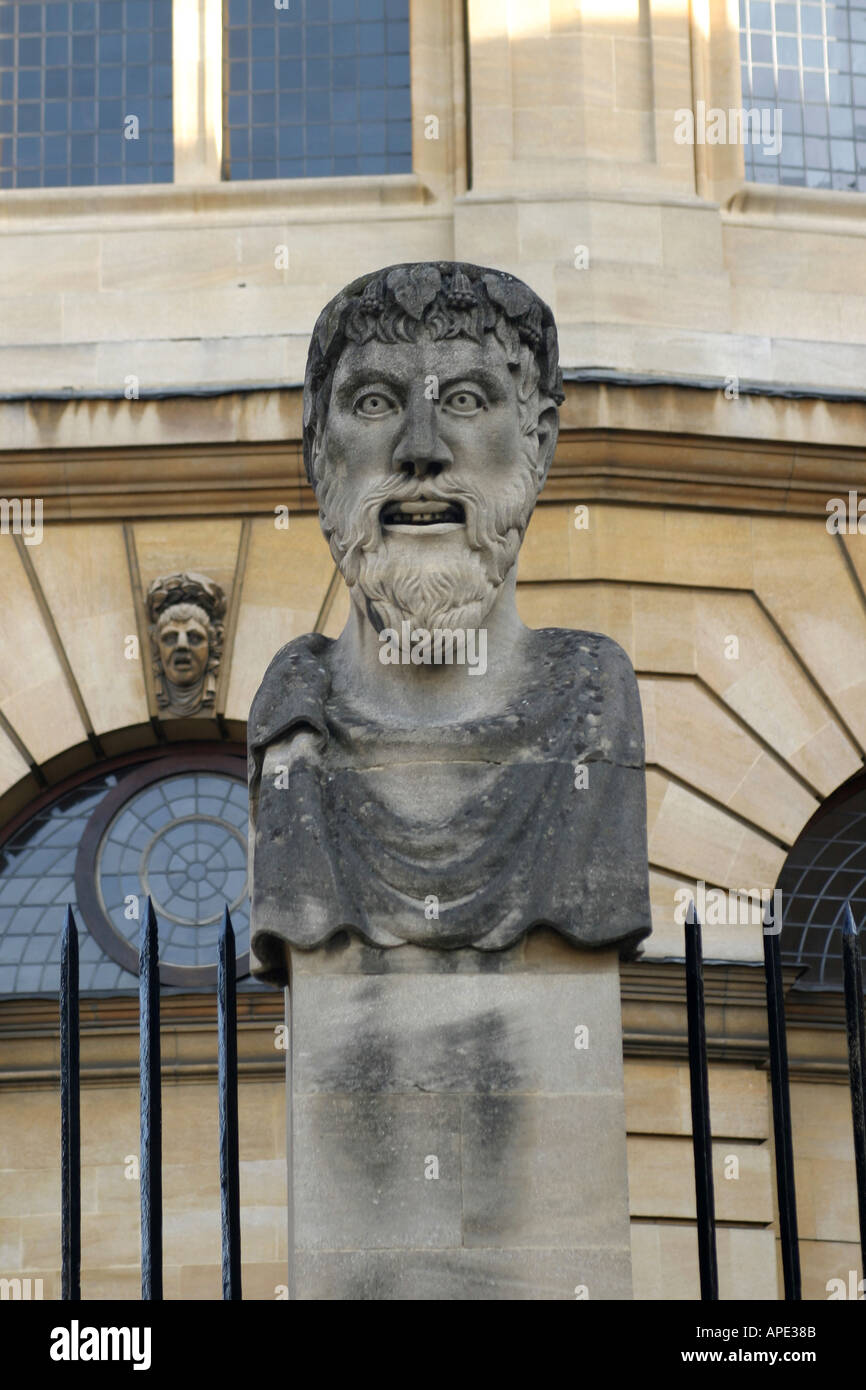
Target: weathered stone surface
[[433, 1275], [440, 774], [452, 1032], [440, 778], [359, 1171], [457, 1134]]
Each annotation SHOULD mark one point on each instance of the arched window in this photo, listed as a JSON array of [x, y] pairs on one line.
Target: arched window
[[173, 826], [825, 868]]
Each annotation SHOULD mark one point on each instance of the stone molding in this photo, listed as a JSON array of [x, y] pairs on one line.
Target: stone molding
[[654, 1026], [654, 1018], [792, 471]]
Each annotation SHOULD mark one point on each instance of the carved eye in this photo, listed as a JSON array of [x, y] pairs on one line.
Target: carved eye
[[374, 405], [464, 402]]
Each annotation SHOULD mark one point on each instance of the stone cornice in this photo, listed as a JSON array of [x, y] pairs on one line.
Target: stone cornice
[[654, 1019], [653, 1012], [240, 453], [784, 207], [161, 206], [30, 1043]]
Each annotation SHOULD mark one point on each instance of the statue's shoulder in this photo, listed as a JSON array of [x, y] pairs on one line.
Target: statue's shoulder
[[293, 689], [600, 682], [591, 652]]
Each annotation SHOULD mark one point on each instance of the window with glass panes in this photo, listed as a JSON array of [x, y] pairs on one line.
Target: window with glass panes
[[320, 87], [85, 93], [807, 59]]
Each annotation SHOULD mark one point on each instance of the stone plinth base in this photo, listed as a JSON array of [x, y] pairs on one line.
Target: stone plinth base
[[457, 1126]]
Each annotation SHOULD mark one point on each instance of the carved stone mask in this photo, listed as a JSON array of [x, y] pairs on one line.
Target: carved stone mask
[[184, 645], [186, 637]]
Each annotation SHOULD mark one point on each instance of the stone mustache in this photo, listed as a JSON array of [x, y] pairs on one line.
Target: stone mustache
[[397, 792]]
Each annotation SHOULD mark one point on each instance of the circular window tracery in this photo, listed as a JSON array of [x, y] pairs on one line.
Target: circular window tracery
[[174, 826]]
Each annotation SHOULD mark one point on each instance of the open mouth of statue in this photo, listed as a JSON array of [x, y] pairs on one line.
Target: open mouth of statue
[[423, 515]]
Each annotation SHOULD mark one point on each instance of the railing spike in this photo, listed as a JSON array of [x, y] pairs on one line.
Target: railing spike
[[70, 1114], [227, 1051], [854, 1024], [781, 1096], [151, 1108], [702, 1139]]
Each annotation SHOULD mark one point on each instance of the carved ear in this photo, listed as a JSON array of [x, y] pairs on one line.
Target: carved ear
[[548, 433]]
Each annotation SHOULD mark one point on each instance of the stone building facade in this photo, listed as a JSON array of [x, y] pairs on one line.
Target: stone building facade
[[152, 346]]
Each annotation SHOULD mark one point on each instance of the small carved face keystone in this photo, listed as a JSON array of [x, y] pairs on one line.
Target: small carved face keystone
[[186, 633], [183, 647]]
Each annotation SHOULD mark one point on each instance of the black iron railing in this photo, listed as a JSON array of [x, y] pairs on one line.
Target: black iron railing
[[702, 1139], [781, 1093], [151, 1109], [150, 1167], [781, 1096]]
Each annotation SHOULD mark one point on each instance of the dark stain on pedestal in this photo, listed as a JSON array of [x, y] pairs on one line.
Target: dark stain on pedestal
[[464, 1083]]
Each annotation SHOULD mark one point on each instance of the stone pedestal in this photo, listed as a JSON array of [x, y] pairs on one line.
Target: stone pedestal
[[457, 1125]]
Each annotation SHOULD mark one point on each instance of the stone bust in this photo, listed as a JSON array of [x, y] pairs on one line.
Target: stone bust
[[186, 635], [440, 774]]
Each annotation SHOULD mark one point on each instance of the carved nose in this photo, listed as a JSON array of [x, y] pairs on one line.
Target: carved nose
[[424, 468], [421, 453]]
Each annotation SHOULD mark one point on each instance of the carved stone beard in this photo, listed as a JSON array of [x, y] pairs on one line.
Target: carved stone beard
[[398, 587]]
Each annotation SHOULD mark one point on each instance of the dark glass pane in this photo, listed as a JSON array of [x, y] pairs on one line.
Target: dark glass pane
[[29, 116], [56, 50], [263, 43], [800, 54], [291, 141], [334, 109], [264, 142], [29, 53], [110, 15], [119, 53], [317, 40], [30, 18], [290, 74], [371, 105], [110, 82], [291, 107], [263, 75], [29, 85], [317, 106], [84, 82], [264, 109]]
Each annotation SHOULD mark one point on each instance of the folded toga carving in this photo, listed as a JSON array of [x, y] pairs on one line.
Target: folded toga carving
[[440, 773]]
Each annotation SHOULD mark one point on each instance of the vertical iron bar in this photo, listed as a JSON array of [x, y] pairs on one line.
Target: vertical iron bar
[[781, 1109], [151, 1109], [70, 1115], [227, 1050], [856, 1059], [702, 1139]]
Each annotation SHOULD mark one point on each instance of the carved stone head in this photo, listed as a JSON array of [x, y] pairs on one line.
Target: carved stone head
[[186, 633], [430, 420]]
